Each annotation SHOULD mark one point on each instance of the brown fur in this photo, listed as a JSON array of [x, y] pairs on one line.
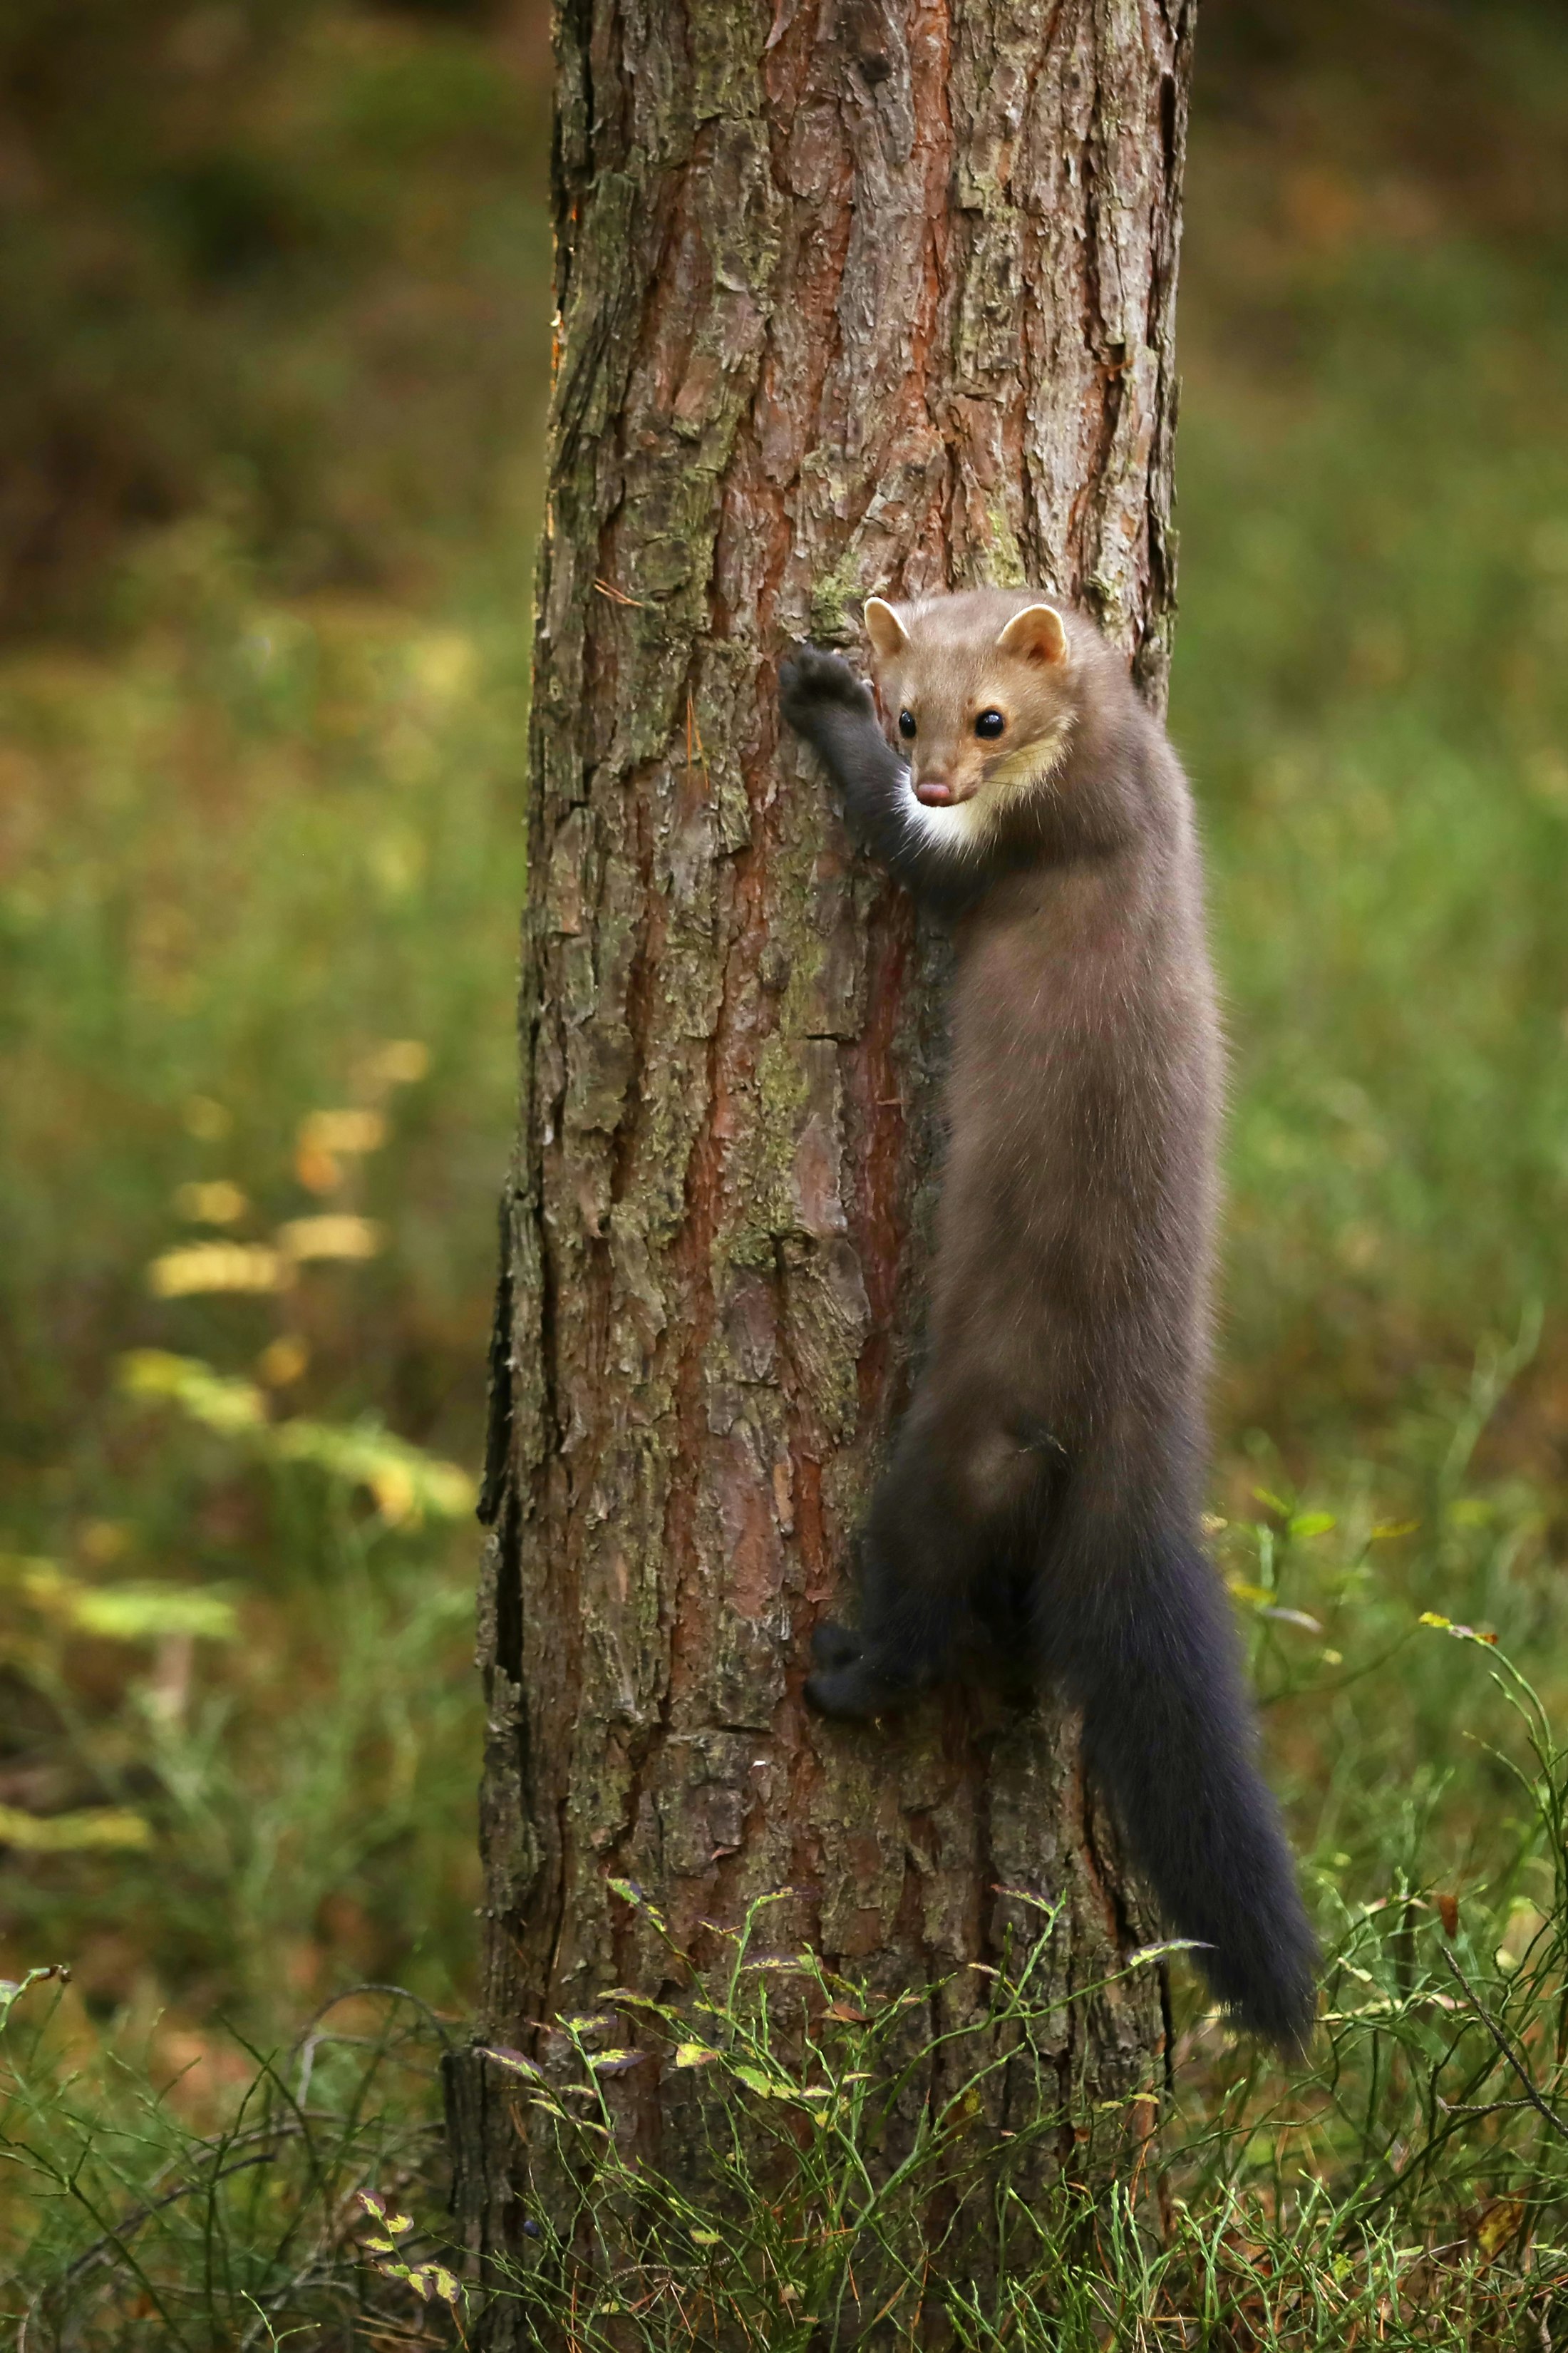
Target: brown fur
[[1046, 1481], [1079, 1197]]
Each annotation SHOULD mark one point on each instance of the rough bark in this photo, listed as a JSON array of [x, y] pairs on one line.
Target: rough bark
[[852, 296]]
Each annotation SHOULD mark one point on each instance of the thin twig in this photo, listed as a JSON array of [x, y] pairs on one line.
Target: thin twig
[[145, 2213], [1495, 2030], [310, 2036], [1480, 2108], [115, 2239]]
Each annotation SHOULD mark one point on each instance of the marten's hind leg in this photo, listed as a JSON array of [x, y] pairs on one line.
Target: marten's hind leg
[[938, 1553]]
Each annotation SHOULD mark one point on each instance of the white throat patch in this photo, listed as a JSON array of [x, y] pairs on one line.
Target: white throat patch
[[964, 827]]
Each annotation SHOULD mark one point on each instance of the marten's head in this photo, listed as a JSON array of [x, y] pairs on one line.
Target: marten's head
[[978, 693]]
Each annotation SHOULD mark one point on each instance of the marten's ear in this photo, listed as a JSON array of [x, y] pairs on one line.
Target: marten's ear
[[1034, 634], [887, 632]]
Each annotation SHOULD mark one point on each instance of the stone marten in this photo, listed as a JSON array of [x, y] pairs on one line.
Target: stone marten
[[1044, 1488]]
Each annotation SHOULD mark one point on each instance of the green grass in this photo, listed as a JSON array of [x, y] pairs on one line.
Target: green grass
[[249, 892], [244, 2229], [1408, 2186], [259, 867], [1371, 689]]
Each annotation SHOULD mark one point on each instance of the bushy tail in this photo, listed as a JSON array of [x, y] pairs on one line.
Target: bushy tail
[[1139, 1629]]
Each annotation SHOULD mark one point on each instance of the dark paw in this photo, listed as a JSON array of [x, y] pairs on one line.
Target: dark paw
[[855, 1689], [834, 1646], [812, 683]]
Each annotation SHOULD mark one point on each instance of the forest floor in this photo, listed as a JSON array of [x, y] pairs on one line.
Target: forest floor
[[262, 712]]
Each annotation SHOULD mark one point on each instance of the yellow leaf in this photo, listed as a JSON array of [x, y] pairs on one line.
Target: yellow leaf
[[342, 1131], [514, 2061], [141, 1613], [394, 1491], [218, 1203], [319, 1172], [406, 1482], [223, 1404], [218, 1266], [401, 1062], [330, 1237], [44, 1582], [74, 1833], [282, 1361], [1461, 1633], [1498, 2224]]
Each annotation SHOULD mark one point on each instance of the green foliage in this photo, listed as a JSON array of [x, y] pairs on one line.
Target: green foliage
[[824, 2194], [406, 1482], [153, 2233], [256, 926], [1371, 691], [279, 289], [1410, 2183], [280, 265]]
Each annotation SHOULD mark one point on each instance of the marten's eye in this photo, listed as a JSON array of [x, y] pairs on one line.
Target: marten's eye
[[990, 724], [906, 725]]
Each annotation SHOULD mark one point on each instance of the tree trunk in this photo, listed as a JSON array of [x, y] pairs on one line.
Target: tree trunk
[[853, 296]]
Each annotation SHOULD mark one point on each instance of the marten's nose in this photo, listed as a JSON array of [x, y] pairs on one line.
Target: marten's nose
[[935, 793]]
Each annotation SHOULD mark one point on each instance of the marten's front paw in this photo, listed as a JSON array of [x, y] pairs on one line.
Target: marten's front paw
[[812, 683]]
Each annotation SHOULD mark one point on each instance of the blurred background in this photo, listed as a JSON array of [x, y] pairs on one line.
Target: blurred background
[[275, 274]]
